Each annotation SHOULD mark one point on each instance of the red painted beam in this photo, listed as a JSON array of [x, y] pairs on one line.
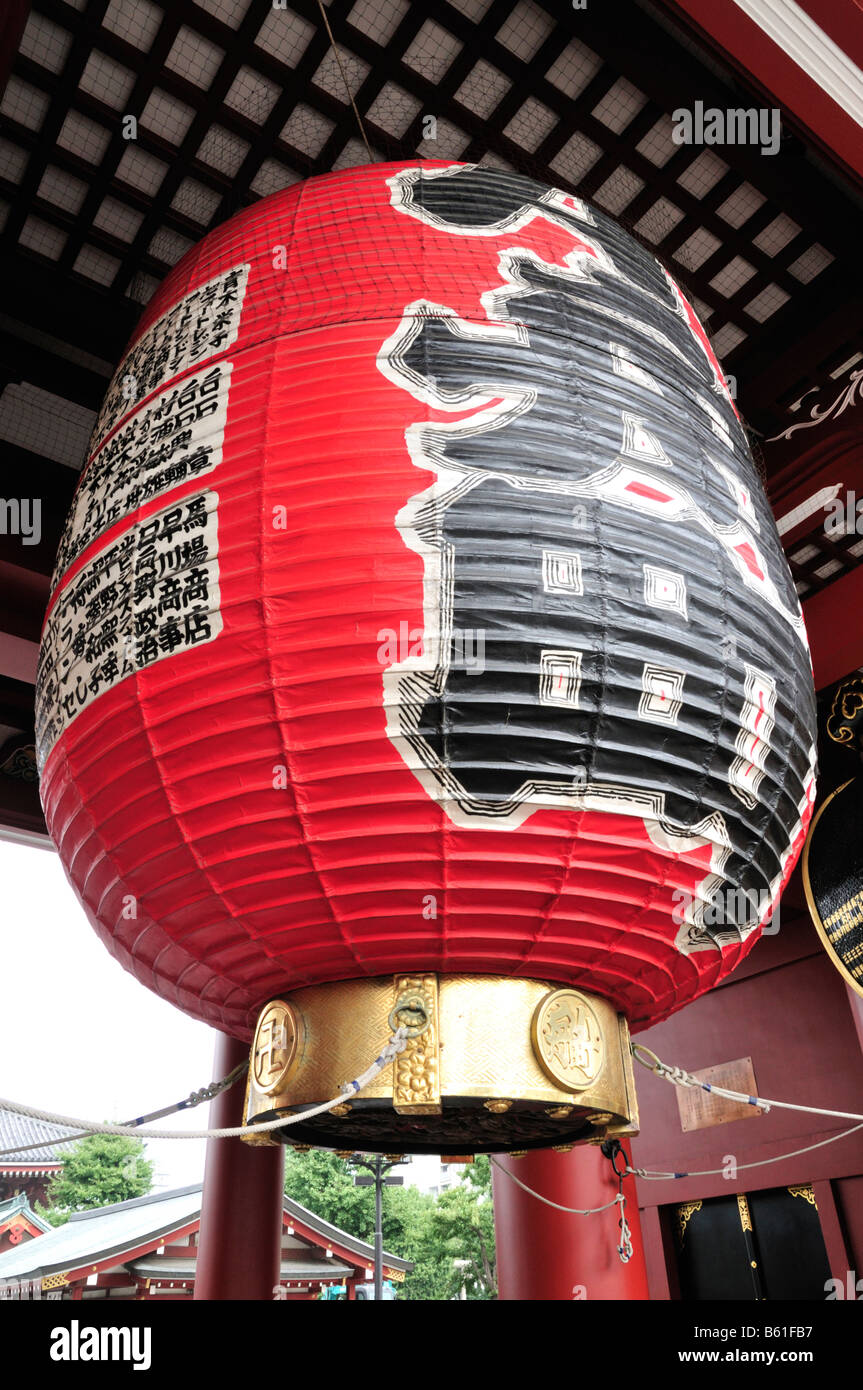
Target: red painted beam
[[340, 1252], [109, 1262], [835, 633], [749, 49], [801, 469], [239, 1250], [543, 1253]]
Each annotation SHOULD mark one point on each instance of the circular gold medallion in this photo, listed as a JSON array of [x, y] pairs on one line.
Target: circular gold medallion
[[567, 1040], [275, 1048]]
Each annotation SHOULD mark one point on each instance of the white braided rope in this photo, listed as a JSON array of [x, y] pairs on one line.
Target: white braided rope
[[396, 1044], [624, 1249], [758, 1163], [679, 1077], [573, 1211]]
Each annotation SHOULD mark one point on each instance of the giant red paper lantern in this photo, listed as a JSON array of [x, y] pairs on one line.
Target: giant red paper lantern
[[420, 609]]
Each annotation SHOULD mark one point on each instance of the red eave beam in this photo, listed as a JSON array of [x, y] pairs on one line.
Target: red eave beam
[[749, 49], [137, 1252], [834, 628]]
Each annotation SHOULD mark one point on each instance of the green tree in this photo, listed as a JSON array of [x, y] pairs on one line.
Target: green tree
[[407, 1217], [98, 1170], [461, 1235], [433, 1233], [324, 1183]]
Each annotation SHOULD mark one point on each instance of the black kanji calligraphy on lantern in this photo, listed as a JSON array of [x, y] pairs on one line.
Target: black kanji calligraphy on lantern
[[598, 517]]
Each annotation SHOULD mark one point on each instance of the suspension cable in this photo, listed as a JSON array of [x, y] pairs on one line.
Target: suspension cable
[[396, 1044]]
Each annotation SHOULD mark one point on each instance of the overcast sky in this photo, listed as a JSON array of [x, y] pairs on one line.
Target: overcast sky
[[80, 1036]]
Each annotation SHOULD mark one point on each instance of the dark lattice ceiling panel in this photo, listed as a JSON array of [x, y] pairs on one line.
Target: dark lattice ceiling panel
[[231, 100]]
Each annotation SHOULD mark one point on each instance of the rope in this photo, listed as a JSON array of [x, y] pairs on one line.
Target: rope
[[210, 1092], [624, 1249], [758, 1163], [679, 1077], [573, 1211], [345, 80], [396, 1044]]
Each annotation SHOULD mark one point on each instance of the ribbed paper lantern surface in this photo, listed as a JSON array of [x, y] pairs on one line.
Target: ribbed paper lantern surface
[[420, 609]]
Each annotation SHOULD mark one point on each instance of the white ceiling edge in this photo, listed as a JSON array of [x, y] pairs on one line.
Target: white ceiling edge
[[811, 49]]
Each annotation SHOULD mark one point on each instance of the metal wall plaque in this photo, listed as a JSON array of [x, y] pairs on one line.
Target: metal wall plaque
[[701, 1109]]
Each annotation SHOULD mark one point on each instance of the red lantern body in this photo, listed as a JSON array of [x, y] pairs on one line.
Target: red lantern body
[[240, 770]]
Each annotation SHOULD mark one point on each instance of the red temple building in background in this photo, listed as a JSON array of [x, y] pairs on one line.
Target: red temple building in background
[[29, 1172], [19, 1223], [147, 1248]]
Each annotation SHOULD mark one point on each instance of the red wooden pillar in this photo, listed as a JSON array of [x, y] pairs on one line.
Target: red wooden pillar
[[239, 1248], [543, 1253]]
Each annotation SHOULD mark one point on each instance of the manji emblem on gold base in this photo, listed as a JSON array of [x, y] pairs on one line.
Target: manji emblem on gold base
[[275, 1048], [491, 1065]]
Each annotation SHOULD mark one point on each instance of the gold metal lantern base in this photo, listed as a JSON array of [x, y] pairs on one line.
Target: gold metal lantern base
[[491, 1065]]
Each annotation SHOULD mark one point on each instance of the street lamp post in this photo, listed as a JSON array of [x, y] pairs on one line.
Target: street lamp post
[[380, 1168]]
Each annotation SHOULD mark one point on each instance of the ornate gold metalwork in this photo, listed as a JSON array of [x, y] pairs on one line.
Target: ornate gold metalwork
[[54, 1281], [264, 1140], [568, 1040], [805, 1191], [478, 1047], [685, 1213], [743, 1208], [416, 1084], [277, 1043], [411, 1009], [846, 716], [624, 1042]]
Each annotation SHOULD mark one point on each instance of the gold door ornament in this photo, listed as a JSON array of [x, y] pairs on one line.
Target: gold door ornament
[[804, 1190], [685, 1213]]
